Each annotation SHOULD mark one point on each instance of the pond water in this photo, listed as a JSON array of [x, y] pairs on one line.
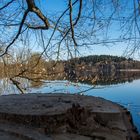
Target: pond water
[[126, 94]]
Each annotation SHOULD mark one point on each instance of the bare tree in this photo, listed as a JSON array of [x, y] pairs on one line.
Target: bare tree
[[83, 23]]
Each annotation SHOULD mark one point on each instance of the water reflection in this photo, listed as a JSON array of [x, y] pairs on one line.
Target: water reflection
[[94, 79], [109, 78], [7, 87], [36, 84]]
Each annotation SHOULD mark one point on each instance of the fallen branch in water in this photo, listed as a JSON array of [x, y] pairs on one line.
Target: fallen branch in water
[[17, 84]]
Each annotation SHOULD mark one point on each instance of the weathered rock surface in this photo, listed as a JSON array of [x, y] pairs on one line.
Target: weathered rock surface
[[63, 117]]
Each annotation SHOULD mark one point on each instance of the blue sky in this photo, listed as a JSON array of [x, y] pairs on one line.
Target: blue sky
[[52, 5], [118, 48]]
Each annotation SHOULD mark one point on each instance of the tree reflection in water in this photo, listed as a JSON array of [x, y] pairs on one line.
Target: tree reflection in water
[[93, 79]]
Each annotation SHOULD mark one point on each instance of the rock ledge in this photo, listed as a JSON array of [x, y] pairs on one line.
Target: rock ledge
[[63, 117]]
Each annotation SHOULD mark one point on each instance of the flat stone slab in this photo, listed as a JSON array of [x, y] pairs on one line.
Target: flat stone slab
[[63, 117]]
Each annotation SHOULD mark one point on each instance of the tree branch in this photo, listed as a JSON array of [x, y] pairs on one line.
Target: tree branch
[[18, 33], [6, 5], [71, 23], [33, 8]]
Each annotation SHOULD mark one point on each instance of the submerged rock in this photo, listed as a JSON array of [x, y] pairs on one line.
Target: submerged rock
[[63, 117]]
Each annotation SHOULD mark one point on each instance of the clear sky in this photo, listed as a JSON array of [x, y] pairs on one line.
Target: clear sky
[[118, 48]]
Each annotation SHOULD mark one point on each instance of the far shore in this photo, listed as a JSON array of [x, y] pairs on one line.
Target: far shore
[[133, 70]]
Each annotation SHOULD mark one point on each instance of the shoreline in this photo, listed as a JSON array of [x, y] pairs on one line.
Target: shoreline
[[129, 70]]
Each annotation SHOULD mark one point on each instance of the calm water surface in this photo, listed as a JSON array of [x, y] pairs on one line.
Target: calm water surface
[[126, 94]]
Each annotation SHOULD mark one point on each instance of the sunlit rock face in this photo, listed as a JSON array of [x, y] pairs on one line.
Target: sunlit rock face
[[63, 116]]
